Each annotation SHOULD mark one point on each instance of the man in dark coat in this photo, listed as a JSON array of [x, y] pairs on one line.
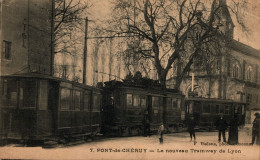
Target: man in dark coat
[[221, 125], [191, 124], [256, 129], [146, 124], [233, 131], [160, 133]]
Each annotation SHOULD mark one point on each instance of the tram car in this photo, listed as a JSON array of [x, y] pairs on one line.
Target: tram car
[[206, 111], [133, 109], [41, 108]]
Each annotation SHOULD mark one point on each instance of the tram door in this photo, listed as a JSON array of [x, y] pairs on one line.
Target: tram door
[[193, 109], [154, 111]]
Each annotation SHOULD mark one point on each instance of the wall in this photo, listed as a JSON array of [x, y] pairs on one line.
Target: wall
[[26, 24]]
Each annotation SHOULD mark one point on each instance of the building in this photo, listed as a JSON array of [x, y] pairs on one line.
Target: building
[[25, 37], [235, 74]]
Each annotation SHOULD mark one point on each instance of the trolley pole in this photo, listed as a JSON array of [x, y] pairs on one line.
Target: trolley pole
[[85, 51]]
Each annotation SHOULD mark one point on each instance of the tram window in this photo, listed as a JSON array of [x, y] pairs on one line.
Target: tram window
[[96, 102], [196, 107], [238, 109], [206, 108], [221, 109], [86, 102], [129, 100], [136, 100], [65, 99], [9, 93], [178, 103], [27, 98], [169, 103], [174, 103], [155, 102], [190, 108], [243, 109], [226, 109], [77, 100], [143, 102], [217, 108], [43, 95]]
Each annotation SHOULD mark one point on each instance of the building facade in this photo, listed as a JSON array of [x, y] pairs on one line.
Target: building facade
[[25, 36], [234, 74]]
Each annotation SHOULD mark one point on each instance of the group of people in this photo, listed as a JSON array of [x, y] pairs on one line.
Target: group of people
[[221, 125]]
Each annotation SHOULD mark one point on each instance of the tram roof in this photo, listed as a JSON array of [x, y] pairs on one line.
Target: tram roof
[[45, 77], [211, 100]]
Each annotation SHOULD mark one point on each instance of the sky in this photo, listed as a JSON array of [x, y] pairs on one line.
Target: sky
[[101, 10]]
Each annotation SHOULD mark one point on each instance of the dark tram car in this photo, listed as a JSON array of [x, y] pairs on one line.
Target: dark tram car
[[165, 106], [36, 107], [135, 109], [206, 111], [174, 112], [123, 109]]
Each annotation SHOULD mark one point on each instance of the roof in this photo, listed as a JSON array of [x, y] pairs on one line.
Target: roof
[[245, 49], [46, 77]]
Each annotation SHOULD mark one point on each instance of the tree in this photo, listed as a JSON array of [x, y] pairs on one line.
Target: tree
[[68, 21], [169, 33], [68, 33]]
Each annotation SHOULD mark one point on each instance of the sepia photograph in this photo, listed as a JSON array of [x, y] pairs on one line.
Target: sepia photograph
[[130, 79]]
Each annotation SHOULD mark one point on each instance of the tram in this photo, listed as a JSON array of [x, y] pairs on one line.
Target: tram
[[206, 111], [38, 107], [129, 108]]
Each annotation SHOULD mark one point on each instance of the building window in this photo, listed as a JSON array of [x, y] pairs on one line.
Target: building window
[[249, 73], [235, 71], [197, 36], [7, 49]]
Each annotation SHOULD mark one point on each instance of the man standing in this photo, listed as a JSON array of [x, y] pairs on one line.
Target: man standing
[[146, 124], [221, 125], [191, 128], [160, 133], [255, 129], [233, 131]]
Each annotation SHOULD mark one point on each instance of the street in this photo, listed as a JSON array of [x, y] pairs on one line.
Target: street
[[175, 146]]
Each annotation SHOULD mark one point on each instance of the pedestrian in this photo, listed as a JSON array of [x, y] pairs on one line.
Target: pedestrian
[[191, 128], [233, 131], [160, 133], [146, 125], [256, 129], [221, 125]]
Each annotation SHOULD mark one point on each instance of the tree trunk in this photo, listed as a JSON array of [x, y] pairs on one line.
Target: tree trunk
[[162, 77]]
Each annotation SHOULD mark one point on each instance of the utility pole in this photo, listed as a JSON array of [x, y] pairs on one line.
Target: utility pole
[[110, 58], [52, 36], [85, 51]]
